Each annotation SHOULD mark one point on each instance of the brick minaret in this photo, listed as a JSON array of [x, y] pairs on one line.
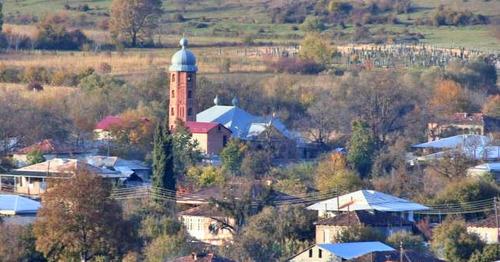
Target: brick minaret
[[182, 86]]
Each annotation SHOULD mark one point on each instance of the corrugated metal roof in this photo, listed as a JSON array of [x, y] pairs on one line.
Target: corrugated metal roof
[[367, 200], [456, 141], [355, 249], [242, 124], [13, 205]]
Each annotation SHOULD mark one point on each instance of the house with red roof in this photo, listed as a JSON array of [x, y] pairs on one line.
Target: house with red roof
[[211, 136], [104, 127]]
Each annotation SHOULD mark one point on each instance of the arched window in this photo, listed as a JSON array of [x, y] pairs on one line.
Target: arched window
[[172, 111], [190, 93], [173, 77], [190, 111], [173, 93]]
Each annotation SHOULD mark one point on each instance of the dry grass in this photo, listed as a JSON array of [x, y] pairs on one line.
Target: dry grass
[[130, 62]]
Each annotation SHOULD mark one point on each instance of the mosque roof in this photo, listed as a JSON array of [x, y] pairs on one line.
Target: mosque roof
[[242, 124], [183, 60]]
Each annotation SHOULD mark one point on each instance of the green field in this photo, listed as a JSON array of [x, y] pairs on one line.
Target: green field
[[237, 19]]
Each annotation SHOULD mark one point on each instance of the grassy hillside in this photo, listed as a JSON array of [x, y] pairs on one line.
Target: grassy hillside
[[234, 20]]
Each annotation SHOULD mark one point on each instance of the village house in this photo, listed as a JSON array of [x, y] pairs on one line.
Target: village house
[[369, 200], [18, 210], [486, 169], [102, 131], [50, 149], [339, 252], [205, 224], [472, 146], [212, 137], [463, 124], [210, 225], [385, 223], [487, 229], [32, 180], [135, 170]]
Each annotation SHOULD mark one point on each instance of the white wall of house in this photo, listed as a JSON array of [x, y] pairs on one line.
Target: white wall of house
[[488, 235], [315, 254], [199, 228]]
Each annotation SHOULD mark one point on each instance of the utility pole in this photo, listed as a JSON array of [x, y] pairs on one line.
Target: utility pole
[[401, 251], [496, 215]]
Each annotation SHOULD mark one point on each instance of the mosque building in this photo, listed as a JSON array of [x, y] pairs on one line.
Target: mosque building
[[214, 126]]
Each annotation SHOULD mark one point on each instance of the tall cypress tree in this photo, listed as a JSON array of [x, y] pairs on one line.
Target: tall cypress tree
[[1, 16], [163, 164]]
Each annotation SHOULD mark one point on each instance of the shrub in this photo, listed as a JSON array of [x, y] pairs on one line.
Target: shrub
[[52, 34], [37, 74], [178, 18], [294, 65], [105, 68], [10, 74], [312, 24]]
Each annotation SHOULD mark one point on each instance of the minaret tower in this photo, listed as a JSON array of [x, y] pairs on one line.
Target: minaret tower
[[182, 86]]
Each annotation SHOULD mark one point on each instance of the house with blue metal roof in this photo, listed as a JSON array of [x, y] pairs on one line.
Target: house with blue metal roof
[[339, 251]]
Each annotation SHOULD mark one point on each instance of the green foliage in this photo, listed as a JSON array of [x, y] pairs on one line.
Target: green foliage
[[17, 243], [359, 234], [333, 174], [313, 24], [489, 253], [168, 247], [410, 241], [232, 155], [361, 147], [256, 164], [206, 176], [274, 234], [240, 203], [467, 190], [452, 240], [185, 150], [163, 165], [1, 16], [154, 226], [53, 34], [35, 156], [315, 48]]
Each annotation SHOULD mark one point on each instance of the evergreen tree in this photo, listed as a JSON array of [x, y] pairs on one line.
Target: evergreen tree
[[1, 16], [361, 146], [163, 164], [185, 150]]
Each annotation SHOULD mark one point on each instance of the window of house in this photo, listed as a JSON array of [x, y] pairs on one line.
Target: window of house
[[189, 94], [327, 235], [190, 78], [173, 78], [173, 93], [320, 253], [224, 140], [172, 111], [190, 111], [310, 252]]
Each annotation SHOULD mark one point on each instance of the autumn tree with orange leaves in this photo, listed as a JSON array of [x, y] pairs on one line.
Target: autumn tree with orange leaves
[[449, 98]]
